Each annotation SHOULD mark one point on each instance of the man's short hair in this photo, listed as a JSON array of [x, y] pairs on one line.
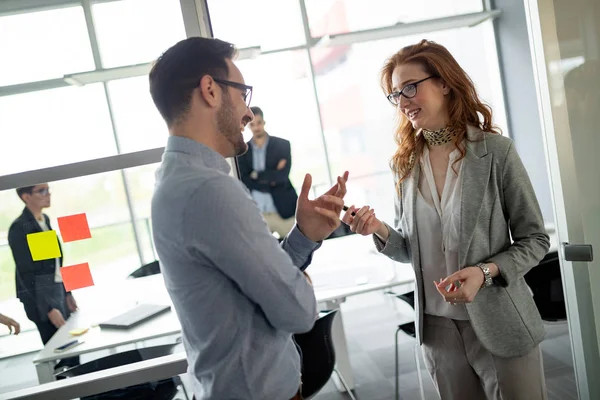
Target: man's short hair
[[24, 190], [257, 111], [178, 71]]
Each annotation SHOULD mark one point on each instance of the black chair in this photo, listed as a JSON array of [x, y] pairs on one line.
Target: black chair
[[545, 281], [318, 356], [152, 268], [165, 389], [409, 329]]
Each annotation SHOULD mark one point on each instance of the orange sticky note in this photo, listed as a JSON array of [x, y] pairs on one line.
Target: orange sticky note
[[74, 227], [43, 245], [76, 276]]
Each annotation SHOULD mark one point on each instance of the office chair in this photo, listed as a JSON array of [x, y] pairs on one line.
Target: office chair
[[152, 268], [545, 281], [318, 357], [165, 389], [409, 329]]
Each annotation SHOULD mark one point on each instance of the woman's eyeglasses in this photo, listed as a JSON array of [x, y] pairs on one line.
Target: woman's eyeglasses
[[409, 91]]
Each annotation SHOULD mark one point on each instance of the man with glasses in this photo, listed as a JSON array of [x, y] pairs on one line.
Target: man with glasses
[[39, 283], [265, 170], [238, 294]]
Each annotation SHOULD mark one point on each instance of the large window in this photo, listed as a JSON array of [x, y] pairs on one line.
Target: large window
[[62, 101], [43, 45], [353, 129], [47, 122]]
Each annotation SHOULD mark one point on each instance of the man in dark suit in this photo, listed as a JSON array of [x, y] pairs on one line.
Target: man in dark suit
[[39, 283], [265, 170]]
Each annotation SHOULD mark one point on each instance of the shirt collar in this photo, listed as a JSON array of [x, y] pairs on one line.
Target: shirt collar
[[264, 146], [208, 156]]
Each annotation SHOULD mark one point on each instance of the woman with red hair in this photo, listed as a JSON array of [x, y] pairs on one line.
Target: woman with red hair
[[462, 194]]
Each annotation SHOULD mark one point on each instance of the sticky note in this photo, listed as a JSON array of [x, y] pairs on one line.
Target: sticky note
[[78, 332], [76, 276], [74, 227], [43, 245]]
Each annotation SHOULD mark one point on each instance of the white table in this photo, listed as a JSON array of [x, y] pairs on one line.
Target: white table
[[351, 260]]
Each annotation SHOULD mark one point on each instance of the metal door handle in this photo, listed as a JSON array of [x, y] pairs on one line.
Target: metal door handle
[[578, 252]]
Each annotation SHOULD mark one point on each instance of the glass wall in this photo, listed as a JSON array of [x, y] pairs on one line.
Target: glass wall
[[45, 122], [354, 127], [325, 99]]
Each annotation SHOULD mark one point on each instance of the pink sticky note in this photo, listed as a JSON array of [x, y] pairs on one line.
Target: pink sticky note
[[74, 227], [77, 276]]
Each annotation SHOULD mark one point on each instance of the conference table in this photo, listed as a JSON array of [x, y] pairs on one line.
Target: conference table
[[342, 267]]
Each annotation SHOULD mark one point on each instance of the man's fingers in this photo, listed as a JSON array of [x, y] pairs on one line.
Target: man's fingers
[[336, 202], [341, 190], [329, 214], [306, 187], [334, 189]]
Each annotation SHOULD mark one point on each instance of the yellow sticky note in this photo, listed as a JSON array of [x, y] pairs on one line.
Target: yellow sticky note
[[43, 245], [78, 332]]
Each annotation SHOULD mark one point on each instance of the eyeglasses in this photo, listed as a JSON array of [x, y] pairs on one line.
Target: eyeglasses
[[42, 192], [246, 90], [409, 91]]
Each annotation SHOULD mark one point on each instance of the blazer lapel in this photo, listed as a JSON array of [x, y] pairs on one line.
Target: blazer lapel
[[409, 196], [476, 170]]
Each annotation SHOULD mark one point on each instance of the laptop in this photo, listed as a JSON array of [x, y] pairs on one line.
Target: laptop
[[135, 316]]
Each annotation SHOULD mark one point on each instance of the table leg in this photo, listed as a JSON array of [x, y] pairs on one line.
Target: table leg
[[342, 356], [45, 372]]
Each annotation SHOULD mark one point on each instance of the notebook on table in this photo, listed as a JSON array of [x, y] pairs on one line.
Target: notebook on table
[[135, 316]]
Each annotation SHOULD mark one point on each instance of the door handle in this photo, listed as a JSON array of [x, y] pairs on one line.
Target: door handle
[[578, 252]]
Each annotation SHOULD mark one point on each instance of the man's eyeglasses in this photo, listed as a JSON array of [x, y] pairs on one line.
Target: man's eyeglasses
[[246, 90], [409, 91], [42, 192]]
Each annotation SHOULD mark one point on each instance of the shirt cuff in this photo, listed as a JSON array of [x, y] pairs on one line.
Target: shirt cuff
[[299, 248]]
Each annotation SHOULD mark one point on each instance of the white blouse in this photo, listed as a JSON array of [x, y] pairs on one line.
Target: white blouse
[[438, 228]]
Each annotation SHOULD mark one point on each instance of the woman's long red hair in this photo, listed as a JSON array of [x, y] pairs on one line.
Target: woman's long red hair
[[464, 106]]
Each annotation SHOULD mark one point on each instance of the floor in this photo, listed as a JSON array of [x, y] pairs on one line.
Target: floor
[[371, 321]]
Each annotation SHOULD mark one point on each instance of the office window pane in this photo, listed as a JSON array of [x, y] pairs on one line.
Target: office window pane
[[43, 45], [112, 250], [138, 123], [359, 121], [136, 31], [54, 127], [284, 92], [327, 17], [271, 24], [140, 181]]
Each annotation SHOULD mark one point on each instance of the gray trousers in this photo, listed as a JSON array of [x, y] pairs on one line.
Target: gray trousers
[[461, 368]]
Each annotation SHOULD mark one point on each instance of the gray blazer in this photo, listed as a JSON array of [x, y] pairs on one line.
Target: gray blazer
[[498, 202]]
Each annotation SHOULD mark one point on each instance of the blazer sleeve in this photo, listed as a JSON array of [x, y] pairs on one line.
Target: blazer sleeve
[[396, 246], [273, 176], [530, 241], [24, 265]]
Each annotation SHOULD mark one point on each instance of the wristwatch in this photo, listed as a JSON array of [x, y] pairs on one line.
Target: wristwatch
[[487, 276]]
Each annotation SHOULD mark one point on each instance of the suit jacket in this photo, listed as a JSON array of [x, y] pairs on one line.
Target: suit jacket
[[34, 279], [272, 180], [498, 202]]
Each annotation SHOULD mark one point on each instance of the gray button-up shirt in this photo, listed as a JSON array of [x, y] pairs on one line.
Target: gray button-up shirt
[[238, 294]]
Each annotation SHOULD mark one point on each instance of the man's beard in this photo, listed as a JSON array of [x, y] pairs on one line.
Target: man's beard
[[229, 127]]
